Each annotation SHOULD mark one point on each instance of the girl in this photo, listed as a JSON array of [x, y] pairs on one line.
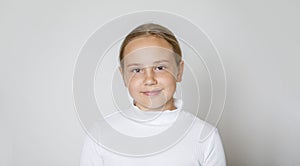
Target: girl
[[151, 64]]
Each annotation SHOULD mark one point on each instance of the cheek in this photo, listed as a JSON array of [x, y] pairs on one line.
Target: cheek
[[133, 83], [130, 79], [168, 81], [167, 77]]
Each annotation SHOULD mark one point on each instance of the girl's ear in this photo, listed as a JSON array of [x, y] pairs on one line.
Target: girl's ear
[[180, 71], [122, 74]]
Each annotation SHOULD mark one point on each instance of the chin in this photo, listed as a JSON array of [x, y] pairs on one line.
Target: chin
[[150, 106], [156, 106]]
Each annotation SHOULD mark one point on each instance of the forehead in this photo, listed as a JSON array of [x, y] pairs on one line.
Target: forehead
[[149, 56], [144, 42]]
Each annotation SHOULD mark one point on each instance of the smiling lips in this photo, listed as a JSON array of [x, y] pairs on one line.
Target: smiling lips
[[151, 93]]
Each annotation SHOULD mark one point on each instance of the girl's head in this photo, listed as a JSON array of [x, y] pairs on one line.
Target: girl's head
[[151, 64], [151, 30]]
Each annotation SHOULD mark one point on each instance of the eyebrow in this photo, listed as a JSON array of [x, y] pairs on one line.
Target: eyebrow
[[162, 61], [133, 64], [138, 64]]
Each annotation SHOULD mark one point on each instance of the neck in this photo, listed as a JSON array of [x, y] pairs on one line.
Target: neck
[[167, 106]]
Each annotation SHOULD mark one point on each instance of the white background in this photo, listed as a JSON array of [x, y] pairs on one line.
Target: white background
[[257, 40]]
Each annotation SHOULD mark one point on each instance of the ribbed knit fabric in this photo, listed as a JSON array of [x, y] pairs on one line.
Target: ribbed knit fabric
[[200, 145]]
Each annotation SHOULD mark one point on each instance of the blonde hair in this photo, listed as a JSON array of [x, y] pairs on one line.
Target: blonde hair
[[155, 30]]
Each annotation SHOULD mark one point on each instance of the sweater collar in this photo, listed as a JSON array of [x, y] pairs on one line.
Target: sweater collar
[[151, 117]]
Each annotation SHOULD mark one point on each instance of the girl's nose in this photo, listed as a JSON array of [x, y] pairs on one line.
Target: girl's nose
[[149, 77]]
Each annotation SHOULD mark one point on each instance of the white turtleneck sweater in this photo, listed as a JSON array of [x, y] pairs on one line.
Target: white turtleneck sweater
[[194, 143]]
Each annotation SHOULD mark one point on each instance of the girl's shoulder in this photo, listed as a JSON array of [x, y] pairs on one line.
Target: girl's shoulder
[[202, 128]]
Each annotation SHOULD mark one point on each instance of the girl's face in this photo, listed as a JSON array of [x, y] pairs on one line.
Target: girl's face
[[150, 73]]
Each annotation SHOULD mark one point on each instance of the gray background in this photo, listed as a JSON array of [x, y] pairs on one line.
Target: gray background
[[257, 40]]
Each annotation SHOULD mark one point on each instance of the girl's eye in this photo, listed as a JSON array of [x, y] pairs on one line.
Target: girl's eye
[[160, 68], [137, 70]]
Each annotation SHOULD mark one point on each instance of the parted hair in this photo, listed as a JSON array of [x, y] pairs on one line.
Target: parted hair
[[156, 30]]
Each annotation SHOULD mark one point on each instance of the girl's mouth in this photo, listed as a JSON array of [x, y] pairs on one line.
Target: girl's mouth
[[151, 93]]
